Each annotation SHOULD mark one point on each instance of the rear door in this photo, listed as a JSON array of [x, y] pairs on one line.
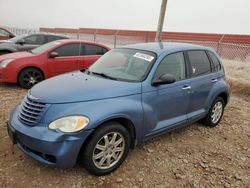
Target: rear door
[[201, 82], [89, 54], [67, 60]]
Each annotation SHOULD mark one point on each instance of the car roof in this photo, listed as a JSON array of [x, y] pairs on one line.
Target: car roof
[[162, 47], [49, 34], [64, 41]]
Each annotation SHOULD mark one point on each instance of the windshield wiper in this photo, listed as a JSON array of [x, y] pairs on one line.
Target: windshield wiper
[[103, 75]]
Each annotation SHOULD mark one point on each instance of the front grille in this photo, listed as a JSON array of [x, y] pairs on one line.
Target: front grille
[[31, 111]]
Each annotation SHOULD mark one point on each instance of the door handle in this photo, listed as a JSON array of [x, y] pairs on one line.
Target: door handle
[[214, 80], [186, 88]]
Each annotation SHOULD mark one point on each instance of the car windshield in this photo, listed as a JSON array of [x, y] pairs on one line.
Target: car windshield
[[44, 47], [124, 64], [17, 38]]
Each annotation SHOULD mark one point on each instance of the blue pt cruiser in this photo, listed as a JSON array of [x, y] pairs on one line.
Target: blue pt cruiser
[[129, 95]]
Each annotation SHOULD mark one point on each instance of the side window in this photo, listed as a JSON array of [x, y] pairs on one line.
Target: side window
[[200, 64], [35, 39], [53, 38], [89, 49], [68, 50], [3, 33], [172, 64], [216, 63]]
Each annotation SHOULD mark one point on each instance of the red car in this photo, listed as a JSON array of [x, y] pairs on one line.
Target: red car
[[6, 34], [51, 59]]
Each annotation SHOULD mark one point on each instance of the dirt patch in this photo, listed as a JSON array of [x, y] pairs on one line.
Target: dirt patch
[[238, 76], [195, 156]]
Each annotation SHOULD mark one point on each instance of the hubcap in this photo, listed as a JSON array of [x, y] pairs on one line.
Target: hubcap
[[216, 112], [108, 150]]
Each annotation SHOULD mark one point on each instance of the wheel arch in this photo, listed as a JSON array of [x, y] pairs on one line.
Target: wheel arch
[[34, 67], [128, 124], [124, 121], [224, 96], [6, 50]]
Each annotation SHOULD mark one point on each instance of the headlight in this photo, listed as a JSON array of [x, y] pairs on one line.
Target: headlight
[[69, 124], [6, 62]]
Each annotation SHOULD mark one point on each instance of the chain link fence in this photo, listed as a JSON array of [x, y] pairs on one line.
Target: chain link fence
[[231, 47]]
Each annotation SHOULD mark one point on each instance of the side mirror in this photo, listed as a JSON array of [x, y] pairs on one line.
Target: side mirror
[[21, 42], [53, 55], [164, 79]]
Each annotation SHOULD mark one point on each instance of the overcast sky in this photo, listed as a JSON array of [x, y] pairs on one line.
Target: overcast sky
[[207, 16]]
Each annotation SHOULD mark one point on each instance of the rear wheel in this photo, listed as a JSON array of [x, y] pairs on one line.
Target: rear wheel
[[215, 113], [107, 149], [29, 77]]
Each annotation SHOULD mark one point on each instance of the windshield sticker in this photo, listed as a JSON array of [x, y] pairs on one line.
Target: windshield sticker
[[145, 57]]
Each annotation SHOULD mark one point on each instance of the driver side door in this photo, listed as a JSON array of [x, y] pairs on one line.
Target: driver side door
[[165, 106], [66, 61]]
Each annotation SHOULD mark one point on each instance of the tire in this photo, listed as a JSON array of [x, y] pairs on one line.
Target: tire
[[29, 77], [214, 117], [98, 156]]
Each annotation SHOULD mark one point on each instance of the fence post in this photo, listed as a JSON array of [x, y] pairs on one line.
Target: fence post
[[146, 37], [78, 34], [219, 42], [115, 38], [95, 35]]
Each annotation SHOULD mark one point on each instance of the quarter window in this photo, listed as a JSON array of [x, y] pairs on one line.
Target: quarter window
[[89, 49], [68, 50], [216, 63], [200, 64], [173, 64]]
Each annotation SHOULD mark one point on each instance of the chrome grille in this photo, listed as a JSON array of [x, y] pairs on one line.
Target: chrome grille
[[31, 111]]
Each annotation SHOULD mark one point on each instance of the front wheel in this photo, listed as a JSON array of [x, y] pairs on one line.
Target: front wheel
[[29, 77], [107, 149], [215, 113]]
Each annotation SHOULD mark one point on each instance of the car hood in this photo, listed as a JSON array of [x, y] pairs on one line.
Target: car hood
[[15, 55], [80, 87]]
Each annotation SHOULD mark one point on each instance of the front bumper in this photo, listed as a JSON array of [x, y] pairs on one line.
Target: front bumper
[[7, 76], [46, 146]]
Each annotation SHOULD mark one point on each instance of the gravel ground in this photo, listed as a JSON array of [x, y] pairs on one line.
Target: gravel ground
[[195, 156]]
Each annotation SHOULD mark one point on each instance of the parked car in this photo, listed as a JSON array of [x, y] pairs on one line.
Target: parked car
[[129, 95], [27, 42], [51, 59], [6, 34]]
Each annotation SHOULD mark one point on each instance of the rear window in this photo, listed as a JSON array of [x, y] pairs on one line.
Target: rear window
[[215, 62], [200, 64], [90, 49]]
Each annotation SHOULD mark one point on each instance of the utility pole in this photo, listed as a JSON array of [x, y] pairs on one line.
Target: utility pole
[[161, 20]]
